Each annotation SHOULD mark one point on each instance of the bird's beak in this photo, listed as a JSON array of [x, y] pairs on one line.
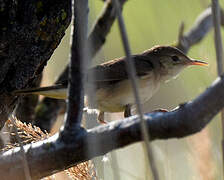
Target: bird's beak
[[198, 63]]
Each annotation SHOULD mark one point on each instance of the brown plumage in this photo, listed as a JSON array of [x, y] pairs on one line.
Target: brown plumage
[[113, 89]]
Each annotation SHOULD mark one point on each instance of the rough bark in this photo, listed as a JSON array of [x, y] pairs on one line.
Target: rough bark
[[29, 33], [26, 107]]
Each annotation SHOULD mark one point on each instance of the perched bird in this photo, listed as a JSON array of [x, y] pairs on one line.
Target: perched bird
[[113, 88]]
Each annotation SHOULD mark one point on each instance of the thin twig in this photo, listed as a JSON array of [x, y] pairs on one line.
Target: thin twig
[[132, 75], [77, 63], [203, 24], [218, 37], [219, 55]]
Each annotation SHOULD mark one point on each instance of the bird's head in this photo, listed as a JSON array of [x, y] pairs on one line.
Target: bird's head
[[172, 61]]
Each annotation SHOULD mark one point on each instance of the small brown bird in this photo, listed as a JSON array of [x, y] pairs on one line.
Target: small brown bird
[[113, 88]]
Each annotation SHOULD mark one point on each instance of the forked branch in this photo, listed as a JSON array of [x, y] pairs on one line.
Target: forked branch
[[53, 155]]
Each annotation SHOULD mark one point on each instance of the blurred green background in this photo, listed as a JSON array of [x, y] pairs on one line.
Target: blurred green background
[[149, 23]]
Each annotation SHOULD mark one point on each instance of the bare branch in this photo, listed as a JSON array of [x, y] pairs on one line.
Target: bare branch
[[100, 30], [218, 37], [102, 27], [53, 155], [202, 25], [77, 63], [219, 53]]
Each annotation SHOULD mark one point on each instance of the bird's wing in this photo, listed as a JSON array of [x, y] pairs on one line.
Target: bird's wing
[[115, 71], [105, 74]]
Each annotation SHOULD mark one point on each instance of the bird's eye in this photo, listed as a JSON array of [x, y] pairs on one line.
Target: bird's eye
[[175, 58]]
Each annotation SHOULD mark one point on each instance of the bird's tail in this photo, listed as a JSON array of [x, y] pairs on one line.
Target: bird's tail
[[56, 91]]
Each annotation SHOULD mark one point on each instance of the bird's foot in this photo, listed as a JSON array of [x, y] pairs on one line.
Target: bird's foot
[[101, 118], [90, 111], [127, 111], [100, 114]]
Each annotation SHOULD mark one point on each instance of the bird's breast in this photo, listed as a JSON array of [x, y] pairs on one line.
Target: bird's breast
[[115, 97]]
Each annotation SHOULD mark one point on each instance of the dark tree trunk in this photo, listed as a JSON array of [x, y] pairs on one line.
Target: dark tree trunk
[[30, 31]]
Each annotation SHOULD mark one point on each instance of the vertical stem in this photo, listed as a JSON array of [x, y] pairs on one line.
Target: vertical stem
[[132, 75], [76, 66], [219, 54], [218, 38]]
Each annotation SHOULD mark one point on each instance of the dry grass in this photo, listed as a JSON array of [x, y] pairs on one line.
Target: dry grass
[[30, 134], [82, 171]]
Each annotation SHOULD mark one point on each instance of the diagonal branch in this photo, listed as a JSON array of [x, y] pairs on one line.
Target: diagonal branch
[[100, 30], [53, 155], [201, 27]]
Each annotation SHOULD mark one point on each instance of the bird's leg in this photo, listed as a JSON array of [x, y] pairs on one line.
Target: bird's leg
[[127, 111], [101, 118]]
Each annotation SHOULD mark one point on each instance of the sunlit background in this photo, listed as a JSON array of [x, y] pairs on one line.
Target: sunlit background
[[149, 23]]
